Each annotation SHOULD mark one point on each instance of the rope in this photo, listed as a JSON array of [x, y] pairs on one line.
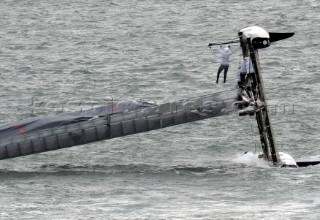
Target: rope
[[254, 141]]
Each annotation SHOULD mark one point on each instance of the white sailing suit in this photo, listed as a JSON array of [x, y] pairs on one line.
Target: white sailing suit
[[245, 67], [225, 58]]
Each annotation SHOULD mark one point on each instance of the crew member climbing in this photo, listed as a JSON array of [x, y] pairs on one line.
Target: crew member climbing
[[245, 71]]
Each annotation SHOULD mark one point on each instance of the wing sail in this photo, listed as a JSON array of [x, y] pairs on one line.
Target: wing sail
[[71, 129]]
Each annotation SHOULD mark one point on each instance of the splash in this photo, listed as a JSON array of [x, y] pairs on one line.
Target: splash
[[251, 159]]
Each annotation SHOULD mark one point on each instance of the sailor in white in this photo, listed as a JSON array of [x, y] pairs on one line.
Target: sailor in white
[[225, 54], [245, 67]]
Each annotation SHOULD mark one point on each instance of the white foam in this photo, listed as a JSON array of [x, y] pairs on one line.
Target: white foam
[[251, 159]]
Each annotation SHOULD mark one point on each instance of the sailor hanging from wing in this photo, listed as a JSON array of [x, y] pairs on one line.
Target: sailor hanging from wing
[[225, 54]]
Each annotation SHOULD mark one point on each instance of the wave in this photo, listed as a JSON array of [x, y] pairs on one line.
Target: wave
[[116, 169]]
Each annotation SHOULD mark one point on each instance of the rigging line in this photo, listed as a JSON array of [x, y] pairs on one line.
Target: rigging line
[[253, 136]]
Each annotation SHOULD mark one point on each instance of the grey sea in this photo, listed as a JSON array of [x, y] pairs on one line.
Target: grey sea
[[69, 55]]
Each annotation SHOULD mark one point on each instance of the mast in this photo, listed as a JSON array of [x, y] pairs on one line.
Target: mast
[[255, 91], [267, 138]]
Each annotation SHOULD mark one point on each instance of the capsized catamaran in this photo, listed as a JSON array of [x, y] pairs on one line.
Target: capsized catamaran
[[123, 118]]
